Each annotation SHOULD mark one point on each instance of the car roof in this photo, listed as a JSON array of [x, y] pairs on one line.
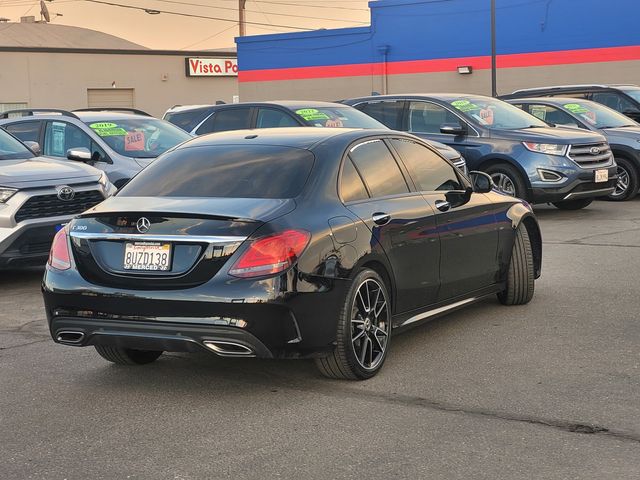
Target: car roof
[[436, 96], [576, 86], [290, 104], [550, 100], [295, 137], [108, 115]]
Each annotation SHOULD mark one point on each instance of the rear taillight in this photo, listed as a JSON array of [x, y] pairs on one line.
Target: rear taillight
[[272, 254], [59, 255]]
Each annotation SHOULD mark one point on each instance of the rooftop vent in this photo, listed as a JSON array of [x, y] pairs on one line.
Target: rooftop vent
[[29, 19]]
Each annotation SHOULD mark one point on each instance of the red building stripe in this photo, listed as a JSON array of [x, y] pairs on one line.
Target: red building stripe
[[516, 60]]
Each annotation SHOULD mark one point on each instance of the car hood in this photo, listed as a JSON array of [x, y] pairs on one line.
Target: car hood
[[143, 162], [45, 171], [627, 132], [446, 151], [560, 136]]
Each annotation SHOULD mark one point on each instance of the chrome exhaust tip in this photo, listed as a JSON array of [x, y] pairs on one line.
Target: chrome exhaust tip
[[70, 337], [229, 349]]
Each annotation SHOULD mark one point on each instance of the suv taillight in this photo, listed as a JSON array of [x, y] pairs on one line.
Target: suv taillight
[[59, 255], [272, 254]]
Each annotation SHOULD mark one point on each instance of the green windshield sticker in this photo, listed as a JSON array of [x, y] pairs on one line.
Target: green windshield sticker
[[103, 125], [576, 108], [465, 105], [111, 132], [310, 114]]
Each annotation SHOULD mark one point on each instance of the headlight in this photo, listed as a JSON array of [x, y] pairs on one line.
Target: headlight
[[548, 148], [6, 193]]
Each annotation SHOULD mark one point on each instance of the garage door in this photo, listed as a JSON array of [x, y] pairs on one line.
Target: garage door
[[110, 97]]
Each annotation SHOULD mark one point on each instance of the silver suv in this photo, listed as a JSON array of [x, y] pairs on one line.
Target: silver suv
[[120, 142], [37, 197]]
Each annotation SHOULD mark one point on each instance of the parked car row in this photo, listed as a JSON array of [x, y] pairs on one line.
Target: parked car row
[[272, 239]]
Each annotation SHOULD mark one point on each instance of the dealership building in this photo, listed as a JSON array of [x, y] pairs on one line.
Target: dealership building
[[436, 45], [55, 66]]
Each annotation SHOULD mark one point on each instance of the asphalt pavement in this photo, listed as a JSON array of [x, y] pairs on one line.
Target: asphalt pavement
[[550, 390]]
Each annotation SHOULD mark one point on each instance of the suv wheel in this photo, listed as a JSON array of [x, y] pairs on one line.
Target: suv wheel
[[573, 204], [364, 331], [508, 180], [521, 275], [127, 356], [627, 186]]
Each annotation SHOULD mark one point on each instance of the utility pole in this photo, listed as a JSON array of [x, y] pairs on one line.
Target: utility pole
[[494, 88], [241, 5]]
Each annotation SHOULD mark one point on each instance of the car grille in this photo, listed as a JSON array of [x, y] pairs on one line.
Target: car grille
[[44, 206], [591, 154]]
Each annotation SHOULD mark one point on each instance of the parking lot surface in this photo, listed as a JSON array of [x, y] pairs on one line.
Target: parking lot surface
[[548, 390]]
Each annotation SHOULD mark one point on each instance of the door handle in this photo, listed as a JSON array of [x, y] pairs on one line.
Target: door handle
[[442, 205], [380, 218]]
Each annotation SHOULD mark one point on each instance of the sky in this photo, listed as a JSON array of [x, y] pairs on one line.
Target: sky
[[165, 31]]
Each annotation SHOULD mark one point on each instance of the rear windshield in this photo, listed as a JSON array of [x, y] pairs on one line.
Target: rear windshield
[[337, 117], [232, 171]]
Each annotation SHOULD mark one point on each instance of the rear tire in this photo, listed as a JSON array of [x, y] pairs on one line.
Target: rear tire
[[628, 183], [521, 275], [573, 204], [508, 180], [364, 331], [127, 356]]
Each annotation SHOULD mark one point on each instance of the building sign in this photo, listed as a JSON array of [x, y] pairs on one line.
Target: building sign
[[211, 67]]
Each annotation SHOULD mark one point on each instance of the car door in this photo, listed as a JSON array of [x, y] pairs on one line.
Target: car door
[[399, 219], [60, 136], [424, 120], [466, 221], [267, 117]]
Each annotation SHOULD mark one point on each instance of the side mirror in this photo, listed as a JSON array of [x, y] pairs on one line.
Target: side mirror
[[34, 147], [482, 183], [452, 129], [80, 154]]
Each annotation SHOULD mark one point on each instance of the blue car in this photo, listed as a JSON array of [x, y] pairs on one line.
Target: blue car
[[524, 156]]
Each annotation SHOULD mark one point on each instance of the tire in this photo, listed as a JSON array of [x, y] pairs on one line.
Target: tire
[[508, 180], [127, 356], [573, 204], [357, 330], [628, 182], [521, 275]]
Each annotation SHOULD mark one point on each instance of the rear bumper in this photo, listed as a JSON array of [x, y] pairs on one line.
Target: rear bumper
[[284, 317]]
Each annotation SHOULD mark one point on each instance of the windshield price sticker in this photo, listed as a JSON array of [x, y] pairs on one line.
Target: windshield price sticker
[[134, 142], [310, 114], [576, 108], [465, 105]]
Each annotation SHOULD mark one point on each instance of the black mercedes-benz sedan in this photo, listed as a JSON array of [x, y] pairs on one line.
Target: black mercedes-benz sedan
[[292, 242]]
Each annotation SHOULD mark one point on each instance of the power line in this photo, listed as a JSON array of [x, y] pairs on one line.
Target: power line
[[316, 6], [210, 36], [254, 11], [156, 11]]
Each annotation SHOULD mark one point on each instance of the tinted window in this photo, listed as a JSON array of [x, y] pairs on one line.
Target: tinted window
[[425, 117], [231, 119], [351, 186], [25, 131], [207, 125], [429, 171], [378, 168], [272, 118], [187, 120], [233, 171], [12, 149], [387, 113], [553, 115], [613, 100]]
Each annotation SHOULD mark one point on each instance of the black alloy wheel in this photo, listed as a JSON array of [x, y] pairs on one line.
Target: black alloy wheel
[[364, 330], [507, 180], [628, 182]]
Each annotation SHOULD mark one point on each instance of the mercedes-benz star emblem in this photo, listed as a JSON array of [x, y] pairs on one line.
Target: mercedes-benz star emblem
[[143, 224], [594, 150], [66, 193]]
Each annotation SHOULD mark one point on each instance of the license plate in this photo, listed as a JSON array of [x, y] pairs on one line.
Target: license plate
[[602, 176], [149, 256]]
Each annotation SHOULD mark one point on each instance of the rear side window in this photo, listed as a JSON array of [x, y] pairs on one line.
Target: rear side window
[[387, 113], [187, 120], [231, 119], [232, 171], [378, 168], [429, 171], [351, 187], [25, 131]]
